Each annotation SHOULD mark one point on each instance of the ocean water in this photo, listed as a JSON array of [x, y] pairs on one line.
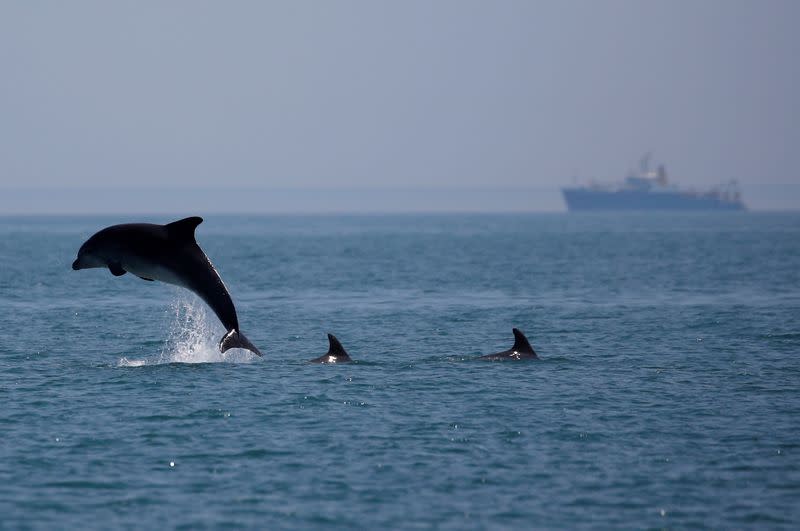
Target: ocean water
[[667, 396]]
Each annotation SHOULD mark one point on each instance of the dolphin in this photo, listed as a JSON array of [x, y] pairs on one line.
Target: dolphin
[[522, 350], [168, 253], [335, 354]]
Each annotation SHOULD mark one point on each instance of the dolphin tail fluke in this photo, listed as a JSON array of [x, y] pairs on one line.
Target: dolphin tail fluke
[[236, 339], [521, 343]]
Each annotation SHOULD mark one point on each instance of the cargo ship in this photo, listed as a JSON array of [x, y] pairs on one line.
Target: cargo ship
[[650, 190]]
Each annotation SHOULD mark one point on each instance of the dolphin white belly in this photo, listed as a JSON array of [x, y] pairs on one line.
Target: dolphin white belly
[[146, 269]]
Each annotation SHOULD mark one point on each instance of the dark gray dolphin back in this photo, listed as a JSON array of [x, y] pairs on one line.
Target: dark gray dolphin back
[[183, 229], [521, 343], [199, 273], [336, 349], [522, 350], [336, 352]]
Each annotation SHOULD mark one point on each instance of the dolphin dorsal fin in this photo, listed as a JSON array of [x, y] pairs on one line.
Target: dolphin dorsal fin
[[183, 229], [521, 343], [336, 348]]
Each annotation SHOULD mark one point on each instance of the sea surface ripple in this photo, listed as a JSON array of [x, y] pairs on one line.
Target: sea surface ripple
[[668, 394]]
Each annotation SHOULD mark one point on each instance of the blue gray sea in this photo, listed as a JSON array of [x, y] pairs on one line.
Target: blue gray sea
[[667, 394]]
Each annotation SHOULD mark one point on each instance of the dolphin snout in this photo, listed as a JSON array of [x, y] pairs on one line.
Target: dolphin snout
[[76, 265]]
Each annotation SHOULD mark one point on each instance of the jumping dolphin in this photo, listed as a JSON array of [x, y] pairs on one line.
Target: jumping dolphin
[[168, 253], [336, 353], [522, 350]]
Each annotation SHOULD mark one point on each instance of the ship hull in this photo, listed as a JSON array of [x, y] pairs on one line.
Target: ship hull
[[582, 199]]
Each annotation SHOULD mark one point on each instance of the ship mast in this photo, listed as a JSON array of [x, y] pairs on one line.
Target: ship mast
[[644, 164]]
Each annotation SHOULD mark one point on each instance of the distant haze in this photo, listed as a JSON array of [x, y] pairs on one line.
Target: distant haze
[[404, 105]]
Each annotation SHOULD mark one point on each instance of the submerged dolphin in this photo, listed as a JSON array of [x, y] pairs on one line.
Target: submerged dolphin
[[335, 354], [168, 253], [522, 350]]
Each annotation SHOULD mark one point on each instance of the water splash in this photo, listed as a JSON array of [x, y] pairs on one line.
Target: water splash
[[193, 337]]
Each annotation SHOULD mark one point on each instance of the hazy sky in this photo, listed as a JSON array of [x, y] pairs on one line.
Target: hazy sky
[[337, 94]]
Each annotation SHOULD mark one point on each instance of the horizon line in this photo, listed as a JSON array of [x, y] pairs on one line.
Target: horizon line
[[375, 200]]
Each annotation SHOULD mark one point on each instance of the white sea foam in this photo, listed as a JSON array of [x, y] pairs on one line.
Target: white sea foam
[[125, 362]]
